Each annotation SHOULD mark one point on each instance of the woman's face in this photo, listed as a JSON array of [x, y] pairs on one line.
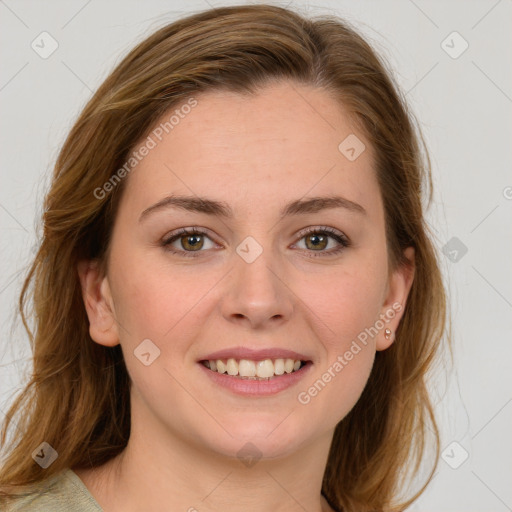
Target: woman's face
[[264, 281]]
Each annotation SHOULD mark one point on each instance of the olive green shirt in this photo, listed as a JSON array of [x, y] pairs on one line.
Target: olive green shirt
[[64, 492]]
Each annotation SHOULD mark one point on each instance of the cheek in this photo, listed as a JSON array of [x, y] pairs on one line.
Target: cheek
[[153, 297], [346, 307], [347, 302], [142, 308], [161, 306]]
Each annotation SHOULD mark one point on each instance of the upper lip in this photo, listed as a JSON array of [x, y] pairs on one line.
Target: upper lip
[[255, 355]]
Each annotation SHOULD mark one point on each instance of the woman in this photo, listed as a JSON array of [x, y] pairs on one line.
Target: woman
[[236, 297]]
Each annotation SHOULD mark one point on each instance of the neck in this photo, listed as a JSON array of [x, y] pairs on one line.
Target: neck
[[161, 468]]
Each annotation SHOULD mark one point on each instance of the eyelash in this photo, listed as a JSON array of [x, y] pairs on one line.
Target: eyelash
[[339, 237]]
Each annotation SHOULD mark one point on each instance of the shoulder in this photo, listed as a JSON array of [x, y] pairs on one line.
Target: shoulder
[[61, 493]]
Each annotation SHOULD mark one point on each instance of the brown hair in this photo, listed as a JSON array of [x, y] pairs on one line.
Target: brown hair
[[78, 397]]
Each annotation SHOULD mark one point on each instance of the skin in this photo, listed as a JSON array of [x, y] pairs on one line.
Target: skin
[[256, 154]]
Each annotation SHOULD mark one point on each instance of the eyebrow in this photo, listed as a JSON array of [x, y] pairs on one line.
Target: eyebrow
[[222, 209]]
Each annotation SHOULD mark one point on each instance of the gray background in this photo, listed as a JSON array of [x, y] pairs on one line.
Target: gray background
[[464, 105]]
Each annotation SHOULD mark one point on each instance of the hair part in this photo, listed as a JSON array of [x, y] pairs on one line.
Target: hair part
[[78, 396]]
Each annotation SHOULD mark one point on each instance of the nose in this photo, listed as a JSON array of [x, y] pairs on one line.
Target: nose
[[257, 293]]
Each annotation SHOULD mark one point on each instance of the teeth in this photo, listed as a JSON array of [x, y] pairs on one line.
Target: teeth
[[279, 366], [265, 368], [248, 369], [232, 367], [288, 365]]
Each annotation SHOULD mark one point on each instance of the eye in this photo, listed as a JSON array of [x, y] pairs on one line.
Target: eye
[[317, 239], [190, 239]]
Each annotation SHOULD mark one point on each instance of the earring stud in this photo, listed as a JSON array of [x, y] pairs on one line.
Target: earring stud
[[387, 334]]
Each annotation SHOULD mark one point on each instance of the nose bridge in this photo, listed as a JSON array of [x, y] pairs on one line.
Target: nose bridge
[[257, 290]]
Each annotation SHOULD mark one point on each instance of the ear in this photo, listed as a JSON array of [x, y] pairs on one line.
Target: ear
[[397, 291], [98, 304]]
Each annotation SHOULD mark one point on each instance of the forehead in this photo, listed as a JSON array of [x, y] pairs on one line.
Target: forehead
[[280, 144]]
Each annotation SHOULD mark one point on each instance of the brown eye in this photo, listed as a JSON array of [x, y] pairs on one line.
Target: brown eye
[[186, 242], [317, 242], [191, 242]]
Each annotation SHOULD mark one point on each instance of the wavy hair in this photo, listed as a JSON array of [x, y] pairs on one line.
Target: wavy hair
[[78, 395]]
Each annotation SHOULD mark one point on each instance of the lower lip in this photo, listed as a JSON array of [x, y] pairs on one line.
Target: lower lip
[[249, 387]]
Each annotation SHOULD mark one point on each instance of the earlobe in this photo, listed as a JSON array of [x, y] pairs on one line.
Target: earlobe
[[98, 304], [399, 286]]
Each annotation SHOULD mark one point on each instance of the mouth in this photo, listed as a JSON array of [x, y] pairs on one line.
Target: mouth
[[251, 369], [255, 373]]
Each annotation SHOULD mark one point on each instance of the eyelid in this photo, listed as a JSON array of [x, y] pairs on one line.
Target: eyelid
[[187, 231], [335, 233]]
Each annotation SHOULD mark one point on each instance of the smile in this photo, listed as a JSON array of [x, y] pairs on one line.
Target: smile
[[265, 369], [255, 378]]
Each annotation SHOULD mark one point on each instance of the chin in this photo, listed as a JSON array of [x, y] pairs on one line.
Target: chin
[[265, 438]]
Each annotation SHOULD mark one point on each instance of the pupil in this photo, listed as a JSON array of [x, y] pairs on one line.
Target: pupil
[[317, 240], [193, 241]]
